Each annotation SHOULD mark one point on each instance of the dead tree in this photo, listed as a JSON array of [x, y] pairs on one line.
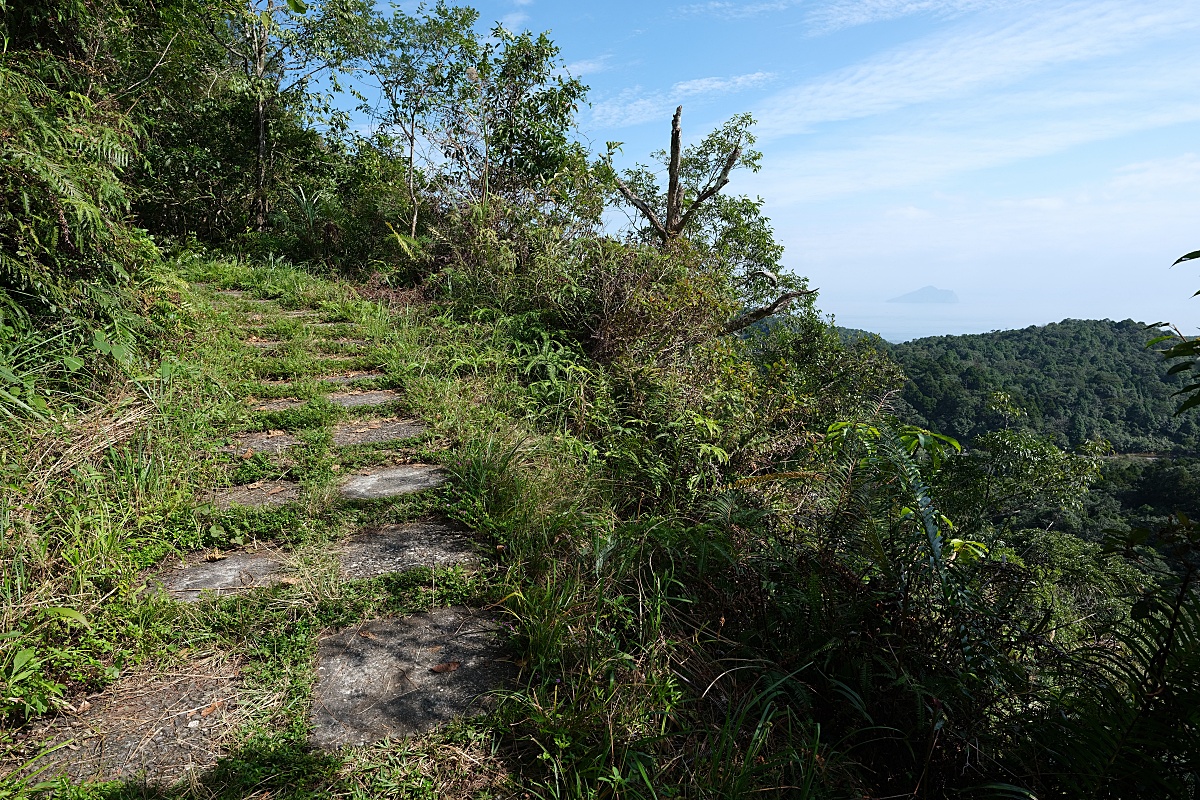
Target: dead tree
[[677, 218]]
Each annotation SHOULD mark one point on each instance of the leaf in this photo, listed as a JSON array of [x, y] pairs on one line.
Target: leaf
[[68, 613], [1187, 257], [449, 666], [297, 6], [22, 658], [72, 363]]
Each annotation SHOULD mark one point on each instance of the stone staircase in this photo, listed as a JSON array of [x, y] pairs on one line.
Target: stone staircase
[[378, 679]]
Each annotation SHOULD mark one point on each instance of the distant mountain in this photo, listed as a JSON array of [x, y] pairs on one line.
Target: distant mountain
[[1078, 380], [927, 294]]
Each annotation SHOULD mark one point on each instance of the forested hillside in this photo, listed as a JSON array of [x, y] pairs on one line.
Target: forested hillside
[[1076, 381], [378, 465]]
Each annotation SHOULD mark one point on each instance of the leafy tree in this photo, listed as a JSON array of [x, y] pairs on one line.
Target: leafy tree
[[420, 65], [280, 49], [732, 230]]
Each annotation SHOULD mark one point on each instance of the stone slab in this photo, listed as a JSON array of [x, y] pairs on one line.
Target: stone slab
[[157, 726], [398, 677], [262, 494], [352, 377], [373, 431], [381, 484], [263, 344], [378, 397], [397, 548], [269, 442], [221, 574], [279, 405]]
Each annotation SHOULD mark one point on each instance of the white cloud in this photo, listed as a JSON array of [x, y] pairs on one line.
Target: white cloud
[[962, 62], [633, 107], [991, 130], [734, 10], [514, 21], [589, 66], [841, 14]]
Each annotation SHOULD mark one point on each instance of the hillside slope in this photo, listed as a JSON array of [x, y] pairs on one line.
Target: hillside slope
[[1079, 380]]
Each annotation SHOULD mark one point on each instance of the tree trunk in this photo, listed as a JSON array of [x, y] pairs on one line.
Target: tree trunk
[[674, 187], [260, 167]]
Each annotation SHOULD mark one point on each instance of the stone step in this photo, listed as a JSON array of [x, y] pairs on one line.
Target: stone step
[[262, 494], [366, 398], [397, 548], [269, 442], [374, 431], [389, 678], [383, 483], [220, 573], [351, 377]]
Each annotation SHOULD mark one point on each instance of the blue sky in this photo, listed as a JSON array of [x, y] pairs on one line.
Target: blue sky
[[1041, 159]]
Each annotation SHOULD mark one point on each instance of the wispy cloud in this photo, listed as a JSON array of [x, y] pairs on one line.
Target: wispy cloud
[[514, 21], [968, 59], [735, 10], [633, 106], [590, 66], [994, 130], [841, 14]]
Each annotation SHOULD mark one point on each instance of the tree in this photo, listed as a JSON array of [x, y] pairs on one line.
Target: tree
[[507, 133], [733, 229], [420, 65], [280, 49]]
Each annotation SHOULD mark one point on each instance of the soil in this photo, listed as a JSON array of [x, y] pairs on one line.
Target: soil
[[158, 727]]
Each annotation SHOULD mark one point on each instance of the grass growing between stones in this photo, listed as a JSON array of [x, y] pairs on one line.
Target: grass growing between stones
[[93, 505]]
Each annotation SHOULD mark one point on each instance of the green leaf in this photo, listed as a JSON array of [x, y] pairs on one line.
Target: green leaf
[[68, 613], [1188, 257], [22, 658], [297, 6], [72, 363], [1189, 404]]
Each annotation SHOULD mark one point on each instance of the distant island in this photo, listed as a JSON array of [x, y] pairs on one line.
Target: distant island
[[927, 294]]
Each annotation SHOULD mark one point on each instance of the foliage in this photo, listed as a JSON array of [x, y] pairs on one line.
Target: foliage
[[1077, 380], [726, 566]]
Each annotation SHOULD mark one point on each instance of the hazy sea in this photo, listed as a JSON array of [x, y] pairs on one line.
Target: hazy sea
[[899, 322]]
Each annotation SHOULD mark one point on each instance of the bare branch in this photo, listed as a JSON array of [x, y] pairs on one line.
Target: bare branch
[[750, 317], [150, 74], [644, 207]]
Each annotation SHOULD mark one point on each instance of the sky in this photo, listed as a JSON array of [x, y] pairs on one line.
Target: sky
[[1041, 159]]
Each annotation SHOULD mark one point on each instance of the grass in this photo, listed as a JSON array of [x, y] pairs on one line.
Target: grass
[[94, 501]]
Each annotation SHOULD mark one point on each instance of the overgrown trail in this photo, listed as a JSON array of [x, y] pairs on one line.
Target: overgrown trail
[[324, 627]]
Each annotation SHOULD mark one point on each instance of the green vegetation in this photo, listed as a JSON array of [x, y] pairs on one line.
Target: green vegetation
[[726, 569], [1078, 381]]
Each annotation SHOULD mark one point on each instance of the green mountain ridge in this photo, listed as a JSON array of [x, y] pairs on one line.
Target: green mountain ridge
[[1077, 380]]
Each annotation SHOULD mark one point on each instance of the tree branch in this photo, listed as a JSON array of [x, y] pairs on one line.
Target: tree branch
[[750, 317], [150, 74], [643, 207], [712, 188]]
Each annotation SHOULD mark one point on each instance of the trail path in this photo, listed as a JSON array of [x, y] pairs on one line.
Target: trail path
[[378, 678]]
